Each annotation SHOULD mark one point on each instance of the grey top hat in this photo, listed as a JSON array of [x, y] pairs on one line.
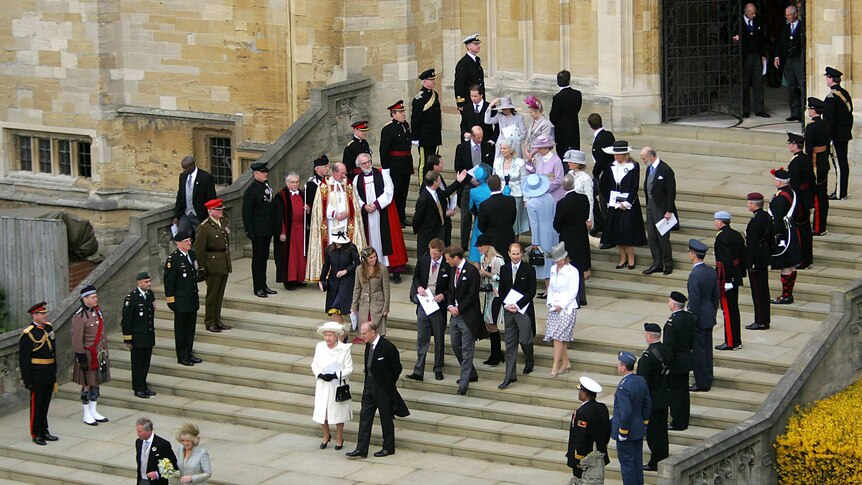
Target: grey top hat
[[558, 252]]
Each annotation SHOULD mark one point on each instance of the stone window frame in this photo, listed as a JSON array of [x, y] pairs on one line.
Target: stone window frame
[[203, 141], [54, 145]]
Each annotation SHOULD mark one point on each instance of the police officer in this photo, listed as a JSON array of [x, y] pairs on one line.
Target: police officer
[[36, 358], [139, 332], [654, 367], [257, 218], [786, 253], [396, 157], [212, 248], [817, 138], [358, 144], [839, 114], [729, 264], [426, 120], [590, 428], [632, 407], [679, 332], [181, 292], [801, 173], [758, 241]]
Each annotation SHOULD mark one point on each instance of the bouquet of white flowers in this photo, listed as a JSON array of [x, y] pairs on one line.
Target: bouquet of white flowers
[[166, 469]]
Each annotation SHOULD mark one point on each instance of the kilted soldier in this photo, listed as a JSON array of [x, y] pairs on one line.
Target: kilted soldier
[[90, 345], [758, 241], [786, 254], [139, 332], [36, 359]]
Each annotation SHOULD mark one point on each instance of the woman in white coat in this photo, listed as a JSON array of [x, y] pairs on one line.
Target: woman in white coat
[[502, 112], [332, 365], [562, 307]]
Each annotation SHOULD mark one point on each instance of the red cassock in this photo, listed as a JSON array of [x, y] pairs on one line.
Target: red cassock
[[290, 221]]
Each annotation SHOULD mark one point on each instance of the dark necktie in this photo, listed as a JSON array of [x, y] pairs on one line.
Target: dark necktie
[[478, 61]]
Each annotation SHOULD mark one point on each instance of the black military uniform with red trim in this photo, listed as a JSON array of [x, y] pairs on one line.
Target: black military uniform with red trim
[[758, 243], [786, 252], [139, 334], [801, 181], [37, 354], [354, 147], [730, 267], [590, 428], [395, 155], [817, 141]]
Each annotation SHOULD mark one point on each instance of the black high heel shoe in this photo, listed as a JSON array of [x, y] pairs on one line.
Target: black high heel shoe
[[621, 265], [631, 266], [325, 444], [339, 447]]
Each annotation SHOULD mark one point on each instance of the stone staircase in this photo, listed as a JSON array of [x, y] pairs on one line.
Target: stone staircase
[[253, 395]]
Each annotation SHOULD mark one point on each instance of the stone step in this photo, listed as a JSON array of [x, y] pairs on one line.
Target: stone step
[[35, 466], [703, 134], [717, 149]]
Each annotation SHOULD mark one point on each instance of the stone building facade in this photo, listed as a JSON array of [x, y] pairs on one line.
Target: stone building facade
[[101, 99]]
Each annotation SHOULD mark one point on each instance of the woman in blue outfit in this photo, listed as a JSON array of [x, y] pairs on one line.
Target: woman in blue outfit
[[478, 195]]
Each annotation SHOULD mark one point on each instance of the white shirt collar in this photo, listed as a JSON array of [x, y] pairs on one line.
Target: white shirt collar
[[431, 191], [375, 341], [496, 192], [794, 24], [461, 266], [471, 55], [565, 87], [654, 164], [474, 144], [596, 132]]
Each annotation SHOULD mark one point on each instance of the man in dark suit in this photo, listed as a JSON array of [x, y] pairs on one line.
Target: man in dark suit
[[590, 429], [654, 367], [817, 140], [519, 276], [474, 114], [181, 293], [565, 108], [601, 171], [497, 217], [431, 277], [839, 113], [466, 325], [139, 332], [789, 54], [758, 241], [382, 369], [631, 413], [679, 334], [449, 202], [703, 303], [753, 43], [196, 187], [429, 216], [396, 157], [570, 220], [150, 449], [472, 152], [729, 264], [468, 72], [660, 191], [257, 216], [358, 144], [426, 120]]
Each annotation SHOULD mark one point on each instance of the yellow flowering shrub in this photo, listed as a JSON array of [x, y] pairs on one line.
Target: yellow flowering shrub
[[823, 443]]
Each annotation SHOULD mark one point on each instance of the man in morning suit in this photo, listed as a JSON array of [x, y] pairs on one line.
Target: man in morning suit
[[601, 170], [382, 369], [431, 277], [449, 202], [468, 72], [565, 108], [150, 449], [758, 241], [632, 407], [36, 358], [426, 120], [358, 144], [660, 191], [466, 325], [839, 113], [703, 303], [654, 367], [181, 293], [753, 41], [679, 332], [212, 247], [195, 188], [257, 213], [729, 265], [519, 276], [474, 114], [396, 157], [497, 217], [472, 152], [801, 173], [590, 428], [429, 216], [789, 54], [139, 332], [817, 140], [570, 220]]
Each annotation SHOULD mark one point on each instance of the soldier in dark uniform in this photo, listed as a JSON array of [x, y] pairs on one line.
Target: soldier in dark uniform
[[257, 219], [358, 144], [321, 171], [590, 427], [758, 241], [212, 248], [654, 367], [801, 173], [729, 264], [468, 73], [181, 292], [36, 354], [786, 253], [838, 113], [395, 156], [817, 139], [427, 121], [632, 407], [139, 332], [679, 332]]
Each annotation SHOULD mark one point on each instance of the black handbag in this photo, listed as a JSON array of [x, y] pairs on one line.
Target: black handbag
[[342, 392], [537, 257]]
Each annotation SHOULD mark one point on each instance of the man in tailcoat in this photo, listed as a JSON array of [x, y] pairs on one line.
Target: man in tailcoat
[[758, 241], [429, 216], [565, 108], [150, 449], [139, 332], [195, 188], [570, 220], [181, 293], [654, 366], [789, 53], [357, 144], [838, 112], [471, 153], [753, 42], [379, 393], [729, 265], [37, 351], [212, 248], [632, 407], [497, 216], [431, 277], [466, 324], [602, 138], [703, 303], [474, 114], [660, 191], [679, 334], [519, 317], [427, 120], [396, 157], [257, 220]]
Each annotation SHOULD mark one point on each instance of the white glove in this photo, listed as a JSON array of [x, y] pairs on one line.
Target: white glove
[[728, 286], [415, 143], [623, 438]]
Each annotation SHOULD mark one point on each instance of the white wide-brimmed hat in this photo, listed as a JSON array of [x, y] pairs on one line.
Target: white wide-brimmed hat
[[331, 327], [619, 147], [339, 238]]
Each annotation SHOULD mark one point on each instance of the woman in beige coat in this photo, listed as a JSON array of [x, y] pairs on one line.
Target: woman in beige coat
[[371, 291]]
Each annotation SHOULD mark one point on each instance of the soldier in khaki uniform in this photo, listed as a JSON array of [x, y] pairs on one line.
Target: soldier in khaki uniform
[[36, 351], [212, 247]]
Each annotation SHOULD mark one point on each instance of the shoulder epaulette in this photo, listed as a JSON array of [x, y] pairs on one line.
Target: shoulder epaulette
[[418, 95], [80, 309], [28, 328], [390, 122]]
